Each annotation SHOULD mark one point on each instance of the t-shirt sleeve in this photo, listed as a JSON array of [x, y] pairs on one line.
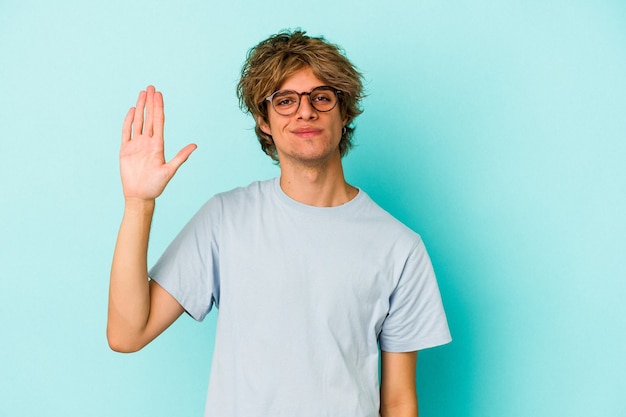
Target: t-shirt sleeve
[[189, 267], [416, 318]]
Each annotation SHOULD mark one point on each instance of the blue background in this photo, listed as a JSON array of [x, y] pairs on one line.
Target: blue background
[[497, 130]]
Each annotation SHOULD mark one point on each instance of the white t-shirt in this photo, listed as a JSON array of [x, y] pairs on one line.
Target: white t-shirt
[[305, 296]]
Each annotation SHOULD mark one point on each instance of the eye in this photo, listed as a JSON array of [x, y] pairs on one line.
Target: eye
[[321, 97], [285, 100]]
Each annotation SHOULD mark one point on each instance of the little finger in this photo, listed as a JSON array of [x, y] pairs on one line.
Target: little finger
[[128, 122], [138, 117]]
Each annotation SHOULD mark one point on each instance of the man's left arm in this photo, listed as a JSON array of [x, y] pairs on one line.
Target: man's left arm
[[398, 396]]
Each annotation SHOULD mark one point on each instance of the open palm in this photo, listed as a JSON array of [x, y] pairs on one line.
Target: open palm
[[144, 171]]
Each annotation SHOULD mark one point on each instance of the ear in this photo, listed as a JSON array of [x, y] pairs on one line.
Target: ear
[[265, 128]]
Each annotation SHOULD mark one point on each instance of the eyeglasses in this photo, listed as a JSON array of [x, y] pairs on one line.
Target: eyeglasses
[[287, 102]]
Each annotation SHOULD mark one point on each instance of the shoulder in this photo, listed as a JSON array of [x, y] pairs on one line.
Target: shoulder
[[385, 223], [238, 200], [254, 190]]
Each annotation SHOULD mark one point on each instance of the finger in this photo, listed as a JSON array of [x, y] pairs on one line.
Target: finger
[[148, 129], [127, 126], [138, 119], [181, 157], [159, 115]]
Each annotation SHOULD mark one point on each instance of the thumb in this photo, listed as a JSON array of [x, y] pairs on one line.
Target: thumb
[[182, 156]]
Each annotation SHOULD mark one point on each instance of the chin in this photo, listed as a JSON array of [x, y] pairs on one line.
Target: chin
[[312, 157]]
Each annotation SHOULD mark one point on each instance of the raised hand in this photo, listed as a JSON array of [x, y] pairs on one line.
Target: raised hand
[[142, 160]]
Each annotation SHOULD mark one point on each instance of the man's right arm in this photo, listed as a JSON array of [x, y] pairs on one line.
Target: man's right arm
[[140, 309]]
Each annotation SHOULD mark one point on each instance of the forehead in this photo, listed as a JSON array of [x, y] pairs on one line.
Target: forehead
[[302, 80]]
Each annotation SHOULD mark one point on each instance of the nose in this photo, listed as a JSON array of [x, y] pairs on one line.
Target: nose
[[306, 110]]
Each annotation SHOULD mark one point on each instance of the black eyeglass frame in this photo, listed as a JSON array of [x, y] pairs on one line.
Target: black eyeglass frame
[[270, 98]]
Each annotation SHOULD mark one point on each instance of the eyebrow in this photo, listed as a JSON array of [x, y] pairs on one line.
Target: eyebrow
[[300, 92]]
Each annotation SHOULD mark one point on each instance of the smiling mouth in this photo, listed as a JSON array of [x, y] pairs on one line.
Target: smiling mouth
[[306, 132]]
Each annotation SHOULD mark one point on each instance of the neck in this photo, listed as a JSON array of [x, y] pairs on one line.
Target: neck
[[321, 186]]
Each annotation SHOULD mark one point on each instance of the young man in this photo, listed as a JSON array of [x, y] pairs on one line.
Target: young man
[[310, 276]]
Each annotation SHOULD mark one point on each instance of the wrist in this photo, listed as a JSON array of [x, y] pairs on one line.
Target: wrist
[[142, 205]]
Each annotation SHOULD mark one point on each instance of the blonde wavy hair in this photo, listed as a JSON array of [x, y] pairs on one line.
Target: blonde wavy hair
[[280, 56]]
